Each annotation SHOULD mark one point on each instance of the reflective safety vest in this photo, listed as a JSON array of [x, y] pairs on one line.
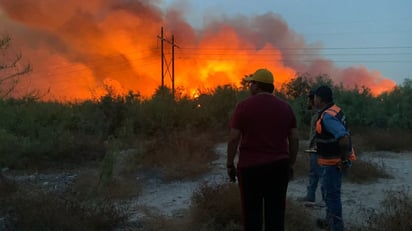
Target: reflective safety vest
[[327, 146]]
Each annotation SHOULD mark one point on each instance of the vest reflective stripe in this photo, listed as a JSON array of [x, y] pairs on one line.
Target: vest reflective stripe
[[333, 111], [334, 161]]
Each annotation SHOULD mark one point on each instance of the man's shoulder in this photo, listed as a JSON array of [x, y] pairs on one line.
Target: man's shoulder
[[267, 98], [245, 101], [328, 116]]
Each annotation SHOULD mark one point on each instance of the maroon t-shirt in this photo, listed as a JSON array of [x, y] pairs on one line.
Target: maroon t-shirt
[[265, 122]]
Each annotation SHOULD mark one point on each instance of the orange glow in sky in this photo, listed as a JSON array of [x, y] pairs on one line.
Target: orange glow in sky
[[82, 50]]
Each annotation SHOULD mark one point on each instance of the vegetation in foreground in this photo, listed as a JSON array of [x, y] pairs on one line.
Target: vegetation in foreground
[[216, 207], [120, 135], [396, 213]]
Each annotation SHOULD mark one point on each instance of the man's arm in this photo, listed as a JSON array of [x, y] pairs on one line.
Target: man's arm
[[232, 145], [339, 131], [293, 145], [344, 147]]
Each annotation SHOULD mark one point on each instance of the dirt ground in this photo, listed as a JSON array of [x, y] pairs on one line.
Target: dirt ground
[[173, 198], [358, 198]]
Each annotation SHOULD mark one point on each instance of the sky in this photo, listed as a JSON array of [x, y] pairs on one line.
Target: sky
[[83, 49], [374, 33]]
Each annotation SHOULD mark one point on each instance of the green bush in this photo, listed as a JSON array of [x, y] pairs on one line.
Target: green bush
[[36, 134]]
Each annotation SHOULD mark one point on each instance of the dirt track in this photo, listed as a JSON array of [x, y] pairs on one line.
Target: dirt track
[[172, 198]]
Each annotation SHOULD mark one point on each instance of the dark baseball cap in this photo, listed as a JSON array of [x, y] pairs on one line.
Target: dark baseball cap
[[325, 93]]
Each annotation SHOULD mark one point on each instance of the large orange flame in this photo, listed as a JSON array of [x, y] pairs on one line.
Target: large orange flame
[[83, 49]]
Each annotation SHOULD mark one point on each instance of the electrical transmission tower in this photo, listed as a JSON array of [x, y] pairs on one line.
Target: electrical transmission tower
[[167, 71]]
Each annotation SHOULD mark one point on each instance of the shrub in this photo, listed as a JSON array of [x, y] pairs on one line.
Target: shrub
[[298, 218], [36, 134], [180, 154], [7, 186], [47, 211], [217, 206], [363, 171], [395, 213], [382, 139]]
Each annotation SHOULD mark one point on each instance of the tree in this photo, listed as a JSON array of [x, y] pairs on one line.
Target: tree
[[11, 68]]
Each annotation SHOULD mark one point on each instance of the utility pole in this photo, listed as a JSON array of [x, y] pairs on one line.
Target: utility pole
[[163, 59], [173, 65], [162, 54]]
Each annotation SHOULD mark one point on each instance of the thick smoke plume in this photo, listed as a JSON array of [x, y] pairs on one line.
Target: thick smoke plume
[[82, 49]]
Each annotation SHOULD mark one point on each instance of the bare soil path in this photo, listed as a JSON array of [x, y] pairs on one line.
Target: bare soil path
[[171, 198]]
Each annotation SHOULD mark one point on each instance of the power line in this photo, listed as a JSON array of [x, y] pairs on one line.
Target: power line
[[231, 54], [299, 48], [294, 54]]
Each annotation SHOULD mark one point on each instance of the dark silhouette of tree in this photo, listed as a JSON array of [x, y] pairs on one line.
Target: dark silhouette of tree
[[11, 68]]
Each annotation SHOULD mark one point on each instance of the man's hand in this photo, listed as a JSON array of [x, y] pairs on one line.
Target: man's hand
[[231, 172], [344, 165], [291, 173], [345, 147], [232, 148]]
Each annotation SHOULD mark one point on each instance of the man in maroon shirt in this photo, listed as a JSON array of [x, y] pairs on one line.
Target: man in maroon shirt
[[263, 128]]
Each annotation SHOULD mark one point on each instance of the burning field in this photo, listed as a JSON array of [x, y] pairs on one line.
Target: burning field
[[81, 49]]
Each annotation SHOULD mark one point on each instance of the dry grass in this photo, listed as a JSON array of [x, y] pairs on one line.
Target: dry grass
[[298, 218], [7, 186], [373, 139], [89, 204], [155, 222], [181, 154], [217, 208], [395, 214], [48, 211], [208, 207], [364, 171], [88, 186], [301, 167], [214, 207], [114, 178]]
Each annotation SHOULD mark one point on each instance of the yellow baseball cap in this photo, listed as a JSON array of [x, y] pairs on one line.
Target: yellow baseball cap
[[261, 75]]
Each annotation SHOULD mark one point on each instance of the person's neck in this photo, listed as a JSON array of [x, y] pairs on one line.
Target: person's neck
[[325, 105], [263, 93]]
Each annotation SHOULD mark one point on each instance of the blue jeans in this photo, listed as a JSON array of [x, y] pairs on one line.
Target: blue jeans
[[331, 183], [315, 172]]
